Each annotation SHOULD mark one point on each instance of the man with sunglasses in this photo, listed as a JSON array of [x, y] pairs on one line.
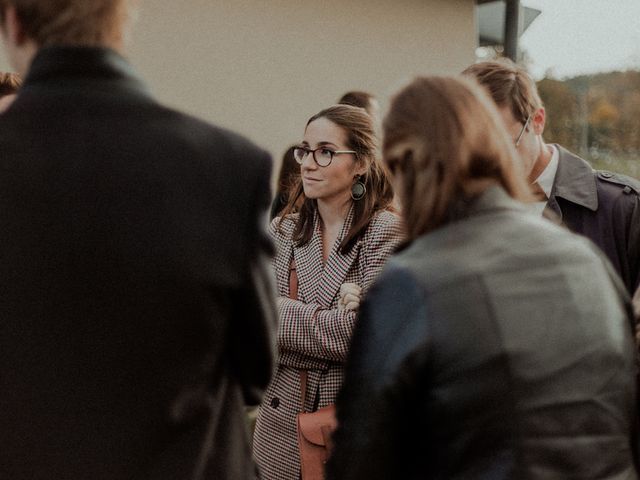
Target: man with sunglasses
[[603, 206]]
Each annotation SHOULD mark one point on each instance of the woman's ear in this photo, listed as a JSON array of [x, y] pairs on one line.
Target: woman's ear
[[361, 168]]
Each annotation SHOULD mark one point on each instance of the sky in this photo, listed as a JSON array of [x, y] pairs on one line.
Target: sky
[[574, 37]]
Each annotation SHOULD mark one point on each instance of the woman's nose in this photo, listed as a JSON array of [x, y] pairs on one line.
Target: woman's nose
[[308, 162]]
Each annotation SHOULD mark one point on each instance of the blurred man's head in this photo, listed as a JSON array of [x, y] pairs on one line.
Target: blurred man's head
[[366, 100], [27, 25], [518, 101]]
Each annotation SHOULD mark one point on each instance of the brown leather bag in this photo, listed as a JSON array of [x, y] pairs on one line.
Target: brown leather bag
[[314, 428], [314, 436]]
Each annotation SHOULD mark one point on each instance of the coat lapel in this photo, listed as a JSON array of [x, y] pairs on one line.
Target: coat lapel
[[318, 283], [308, 260], [337, 267]]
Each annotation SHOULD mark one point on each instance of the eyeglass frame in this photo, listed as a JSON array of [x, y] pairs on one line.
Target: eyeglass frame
[[524, 129], [313, 154]]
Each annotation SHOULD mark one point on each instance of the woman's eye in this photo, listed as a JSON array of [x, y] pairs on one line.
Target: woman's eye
[[325, 152]]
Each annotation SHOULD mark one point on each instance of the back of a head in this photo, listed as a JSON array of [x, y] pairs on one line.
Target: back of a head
[[509, 85], [71, 22], [289, 169], [9, 83], [357, 98], [445, 139]]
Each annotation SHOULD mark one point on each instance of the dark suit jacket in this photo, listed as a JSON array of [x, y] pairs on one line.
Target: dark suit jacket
[[602, 206], [496, 347], [136, 310]]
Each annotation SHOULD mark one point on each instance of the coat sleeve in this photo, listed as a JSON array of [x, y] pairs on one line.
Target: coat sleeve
[[376, 407], [633, 245], [254, 319], [322, 333]]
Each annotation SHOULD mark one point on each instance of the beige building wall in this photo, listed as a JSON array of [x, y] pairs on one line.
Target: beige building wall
[[263, 67]]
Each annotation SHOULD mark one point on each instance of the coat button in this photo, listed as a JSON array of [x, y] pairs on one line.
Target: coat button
[[275, 402]]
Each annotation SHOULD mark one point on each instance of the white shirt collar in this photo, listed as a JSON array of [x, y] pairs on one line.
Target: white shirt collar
[[545, 180], [548, 175]]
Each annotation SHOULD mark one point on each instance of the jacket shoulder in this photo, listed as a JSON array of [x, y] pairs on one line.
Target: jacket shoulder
[[198, 134], [385, 220], [281, 228], [627, 184]]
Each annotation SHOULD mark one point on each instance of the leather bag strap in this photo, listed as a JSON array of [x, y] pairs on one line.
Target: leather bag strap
[[303, 388], [293, 294], [293, 281]]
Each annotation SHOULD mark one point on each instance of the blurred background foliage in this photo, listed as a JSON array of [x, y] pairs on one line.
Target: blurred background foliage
[[596, 116]]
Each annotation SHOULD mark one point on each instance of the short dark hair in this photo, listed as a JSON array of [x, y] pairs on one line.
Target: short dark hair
[[9, 83], [68, 22], [357, 98]]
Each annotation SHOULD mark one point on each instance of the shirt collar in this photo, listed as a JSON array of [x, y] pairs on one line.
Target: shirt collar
[[548, 175], [59, 67], [574, 181]]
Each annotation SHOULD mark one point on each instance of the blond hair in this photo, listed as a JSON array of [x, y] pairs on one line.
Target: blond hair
[[445, 138], [509, 85]]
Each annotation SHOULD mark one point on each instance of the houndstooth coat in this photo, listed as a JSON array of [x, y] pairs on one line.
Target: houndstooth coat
[[313, 334]]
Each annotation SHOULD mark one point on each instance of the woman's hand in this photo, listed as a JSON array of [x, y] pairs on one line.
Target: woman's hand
[[349, 296]]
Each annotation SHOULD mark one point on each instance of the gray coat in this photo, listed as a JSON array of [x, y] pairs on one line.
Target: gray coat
[[498, 346]]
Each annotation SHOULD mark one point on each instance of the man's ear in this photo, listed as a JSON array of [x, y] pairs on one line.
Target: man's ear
[[538, 121]]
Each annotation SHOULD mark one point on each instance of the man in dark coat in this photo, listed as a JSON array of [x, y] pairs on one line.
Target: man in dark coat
[[136, 311], [603, 206]]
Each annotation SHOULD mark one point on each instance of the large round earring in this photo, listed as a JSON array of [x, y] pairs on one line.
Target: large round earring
[[358, 189]]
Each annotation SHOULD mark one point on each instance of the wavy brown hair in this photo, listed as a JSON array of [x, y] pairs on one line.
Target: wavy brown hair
[[444, 138], [361, 138]]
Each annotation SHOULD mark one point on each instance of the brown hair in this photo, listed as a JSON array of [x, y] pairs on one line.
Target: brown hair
[[69, 22], [446, 139], [289, 170], [509, 85], [357, 98], [9, 83], [361, 138]]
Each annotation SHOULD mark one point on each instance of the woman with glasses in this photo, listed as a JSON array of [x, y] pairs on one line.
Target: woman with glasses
[[327, 256], [495, 345]]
